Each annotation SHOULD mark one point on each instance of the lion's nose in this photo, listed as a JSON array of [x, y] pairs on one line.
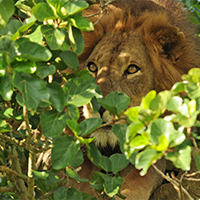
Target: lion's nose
[[101, 111]]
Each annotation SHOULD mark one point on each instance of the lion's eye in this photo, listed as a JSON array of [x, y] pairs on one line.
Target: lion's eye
[[132, 69], [92, 67]]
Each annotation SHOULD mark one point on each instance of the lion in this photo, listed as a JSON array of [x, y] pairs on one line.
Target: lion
[[136, 47]]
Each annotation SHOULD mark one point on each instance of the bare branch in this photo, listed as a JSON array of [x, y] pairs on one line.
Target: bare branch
[[12, 173], [31, 158], [17, 182], [173, 182], [7, 189]]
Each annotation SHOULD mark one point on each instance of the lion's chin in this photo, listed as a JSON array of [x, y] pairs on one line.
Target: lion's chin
[[106, 141]]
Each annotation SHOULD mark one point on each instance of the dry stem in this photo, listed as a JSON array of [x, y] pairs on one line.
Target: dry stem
[[173, 182]]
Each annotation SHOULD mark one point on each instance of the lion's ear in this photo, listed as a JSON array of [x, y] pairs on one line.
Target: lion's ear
[[169, 41]]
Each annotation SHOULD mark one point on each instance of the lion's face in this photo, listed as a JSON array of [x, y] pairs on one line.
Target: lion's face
[[134, 55], [120, 67]]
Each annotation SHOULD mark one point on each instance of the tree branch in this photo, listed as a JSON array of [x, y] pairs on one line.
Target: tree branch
[[12, 173], [173, 182], [18, 182], [31, 158], [7, 189]]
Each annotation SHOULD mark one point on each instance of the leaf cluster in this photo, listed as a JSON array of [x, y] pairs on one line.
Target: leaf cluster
[[42, 90]]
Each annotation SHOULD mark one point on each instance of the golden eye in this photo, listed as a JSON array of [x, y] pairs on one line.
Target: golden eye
[[132, 69], [92, 67]]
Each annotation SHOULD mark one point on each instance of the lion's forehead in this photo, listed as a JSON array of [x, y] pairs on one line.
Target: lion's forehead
[[115, 51]]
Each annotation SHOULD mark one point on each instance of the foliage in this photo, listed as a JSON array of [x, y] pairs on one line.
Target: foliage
[[39, 99]]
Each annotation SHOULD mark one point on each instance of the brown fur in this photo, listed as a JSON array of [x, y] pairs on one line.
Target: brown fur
[[156, 36]]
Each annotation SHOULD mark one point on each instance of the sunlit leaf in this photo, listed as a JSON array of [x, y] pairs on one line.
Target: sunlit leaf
[[43, 11], [6, 11]]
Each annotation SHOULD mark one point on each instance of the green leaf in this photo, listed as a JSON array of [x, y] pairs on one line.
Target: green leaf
[[87, 126], [26, 25], [181, 158], [4, 127], [119, 162], [73, 194], [114, 163], [24, 66], [9, 46], [120, 130], [132, 113], [75, 176], [81, 22], [73, 111], [178, 87], [36, 36], [54, 37], [115, 102], [96, 181], [160, 127], [112, 184], [133, 129], [63, 152], [43, 11], [197, 161], [147, 115], [45, 70], [6, 87], [23, 7], [74, 126], [99, 160], [139, 142], [146, 101], [12, 26], [33, 89], [186, 121], [60, 193], [73, 7], [53, 123], [79, 92], [163, 143], [160, 101], [57, 97], [58, 7], [192, 76], [176, 138], [76, 39], [70, 59], [193, 90], [46, 180], [33, 51], [176, 105], [145, 158], [6, 11], [77, 160]]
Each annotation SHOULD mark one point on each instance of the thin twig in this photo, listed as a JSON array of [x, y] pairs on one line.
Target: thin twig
[[13, 141], [173, 182], [18, 133], [31, 158], [12, 173], [48, 194], [193, 174], [28, 130]]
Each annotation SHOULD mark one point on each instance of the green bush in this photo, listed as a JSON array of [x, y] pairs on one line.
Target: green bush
[[41, 38]]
